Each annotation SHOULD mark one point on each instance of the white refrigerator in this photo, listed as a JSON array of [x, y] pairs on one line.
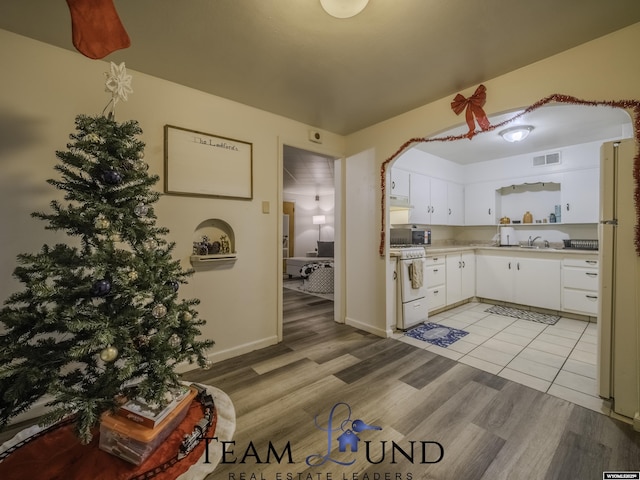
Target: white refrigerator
[[618, 321]]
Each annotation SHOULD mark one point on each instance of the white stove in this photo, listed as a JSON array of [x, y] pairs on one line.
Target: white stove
[[405, 252], [412, 286]]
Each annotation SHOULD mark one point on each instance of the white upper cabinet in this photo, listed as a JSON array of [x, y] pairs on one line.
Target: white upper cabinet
[[480, 204], [420, 199], [439, 215], [455, 204], [580, 194], [428, 196], [399, 182]]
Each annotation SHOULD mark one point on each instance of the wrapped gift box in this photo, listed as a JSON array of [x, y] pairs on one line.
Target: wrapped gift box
[[135, 442]]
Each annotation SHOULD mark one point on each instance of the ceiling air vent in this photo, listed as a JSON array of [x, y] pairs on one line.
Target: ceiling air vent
[[548, 159]]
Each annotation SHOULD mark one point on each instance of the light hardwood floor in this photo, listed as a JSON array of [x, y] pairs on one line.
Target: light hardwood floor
[[489, 427]]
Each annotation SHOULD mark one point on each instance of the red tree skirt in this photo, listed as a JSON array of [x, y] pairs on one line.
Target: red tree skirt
[[59, 455]]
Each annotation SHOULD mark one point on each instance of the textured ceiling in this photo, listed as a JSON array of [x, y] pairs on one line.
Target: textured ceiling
[[290, 58]]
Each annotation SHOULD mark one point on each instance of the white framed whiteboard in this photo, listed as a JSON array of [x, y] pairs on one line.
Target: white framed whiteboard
[[205, 165]]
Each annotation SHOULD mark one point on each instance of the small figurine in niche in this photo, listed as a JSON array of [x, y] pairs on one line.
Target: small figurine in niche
[[214, 248], [224, 244]]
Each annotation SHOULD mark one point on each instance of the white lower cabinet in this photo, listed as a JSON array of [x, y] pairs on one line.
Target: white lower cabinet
[[532, 281], [435, 274], [461, 276], [580, 285]]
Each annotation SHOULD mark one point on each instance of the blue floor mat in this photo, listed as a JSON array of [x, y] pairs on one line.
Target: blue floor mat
[[436, 334]]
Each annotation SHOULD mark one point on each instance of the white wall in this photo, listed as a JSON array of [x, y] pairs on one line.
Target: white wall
[[305, 233], [44, 88]]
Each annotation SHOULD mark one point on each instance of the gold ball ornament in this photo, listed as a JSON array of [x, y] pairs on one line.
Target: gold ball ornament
[[187, 316], [102, 223], [207, 365], [109, 354], [174, 341], [133, 275], [159, 311]]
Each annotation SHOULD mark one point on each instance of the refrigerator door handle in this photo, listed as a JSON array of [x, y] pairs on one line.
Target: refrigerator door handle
[[613, 222]]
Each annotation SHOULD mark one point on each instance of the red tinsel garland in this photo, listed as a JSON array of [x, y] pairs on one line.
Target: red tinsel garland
[[626, 104]]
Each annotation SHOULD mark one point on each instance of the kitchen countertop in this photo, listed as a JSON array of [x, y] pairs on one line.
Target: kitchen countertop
[[463, 248]]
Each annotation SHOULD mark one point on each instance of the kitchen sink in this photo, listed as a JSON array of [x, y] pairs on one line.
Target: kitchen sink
[[537, 247]]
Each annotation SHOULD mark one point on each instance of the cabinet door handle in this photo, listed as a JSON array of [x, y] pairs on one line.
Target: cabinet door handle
[[518, 265], [463, 264], [591, 274], [591, 262], [459, 264], [449, 211], [489, 211], [433, 209], [567, 207], [393, 185], [509, 265], [435, 292], [592, 297], [395, 275], [435, 270]]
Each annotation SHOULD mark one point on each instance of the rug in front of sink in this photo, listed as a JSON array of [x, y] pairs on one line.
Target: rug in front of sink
[[436, 334], [523, 314]]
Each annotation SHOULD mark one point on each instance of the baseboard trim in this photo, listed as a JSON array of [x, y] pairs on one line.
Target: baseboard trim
[[218, 356], [380, 332]]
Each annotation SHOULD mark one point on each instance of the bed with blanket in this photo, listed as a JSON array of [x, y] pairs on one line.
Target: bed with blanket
[[316, 272]]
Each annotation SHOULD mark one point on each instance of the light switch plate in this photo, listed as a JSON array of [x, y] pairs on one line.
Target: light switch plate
[[265, 207]]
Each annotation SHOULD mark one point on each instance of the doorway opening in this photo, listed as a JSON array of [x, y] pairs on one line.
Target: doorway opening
[[310, 218], [465, 154]]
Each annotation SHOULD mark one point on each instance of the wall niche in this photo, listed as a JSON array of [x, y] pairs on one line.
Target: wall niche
[[214, 242]]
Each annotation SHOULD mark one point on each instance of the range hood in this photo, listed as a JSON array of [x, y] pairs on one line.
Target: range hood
[[399, 202]]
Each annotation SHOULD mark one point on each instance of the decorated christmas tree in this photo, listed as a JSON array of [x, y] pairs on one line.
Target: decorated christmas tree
[[99, 318]]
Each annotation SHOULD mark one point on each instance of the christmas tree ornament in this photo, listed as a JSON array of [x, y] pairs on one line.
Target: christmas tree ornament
[[151, 244], [187, 316], [141, 341], [140, 154], [140, 166], [141, 210], [93, 138], [111, 177], [159, 311], [173, 284], [174, 341], [101, 288], [207, 365], [109, 354], [102, 223], [133, 275]]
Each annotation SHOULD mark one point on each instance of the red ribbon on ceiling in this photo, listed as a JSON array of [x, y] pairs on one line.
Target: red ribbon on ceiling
[[473, 105]]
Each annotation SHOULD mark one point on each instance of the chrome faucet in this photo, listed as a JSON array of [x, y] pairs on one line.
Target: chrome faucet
[[530, 242]]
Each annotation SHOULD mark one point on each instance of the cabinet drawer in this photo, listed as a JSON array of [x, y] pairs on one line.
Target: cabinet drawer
[[436, 297], [580, 301], [581, 262], [581, 278], [436, 260], [435, 275]]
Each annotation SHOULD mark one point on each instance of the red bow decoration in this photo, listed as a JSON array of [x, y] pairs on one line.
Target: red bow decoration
[[474, 105]]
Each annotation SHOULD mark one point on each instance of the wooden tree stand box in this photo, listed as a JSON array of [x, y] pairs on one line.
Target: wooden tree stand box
[[134, 442]]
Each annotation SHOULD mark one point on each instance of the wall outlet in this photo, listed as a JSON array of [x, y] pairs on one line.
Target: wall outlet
[[315, 136]]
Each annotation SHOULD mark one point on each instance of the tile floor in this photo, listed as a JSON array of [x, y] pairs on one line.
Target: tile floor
[[557, 359]]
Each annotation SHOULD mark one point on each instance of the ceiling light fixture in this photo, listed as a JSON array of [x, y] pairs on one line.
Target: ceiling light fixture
[[516, 134], [343, 8]]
